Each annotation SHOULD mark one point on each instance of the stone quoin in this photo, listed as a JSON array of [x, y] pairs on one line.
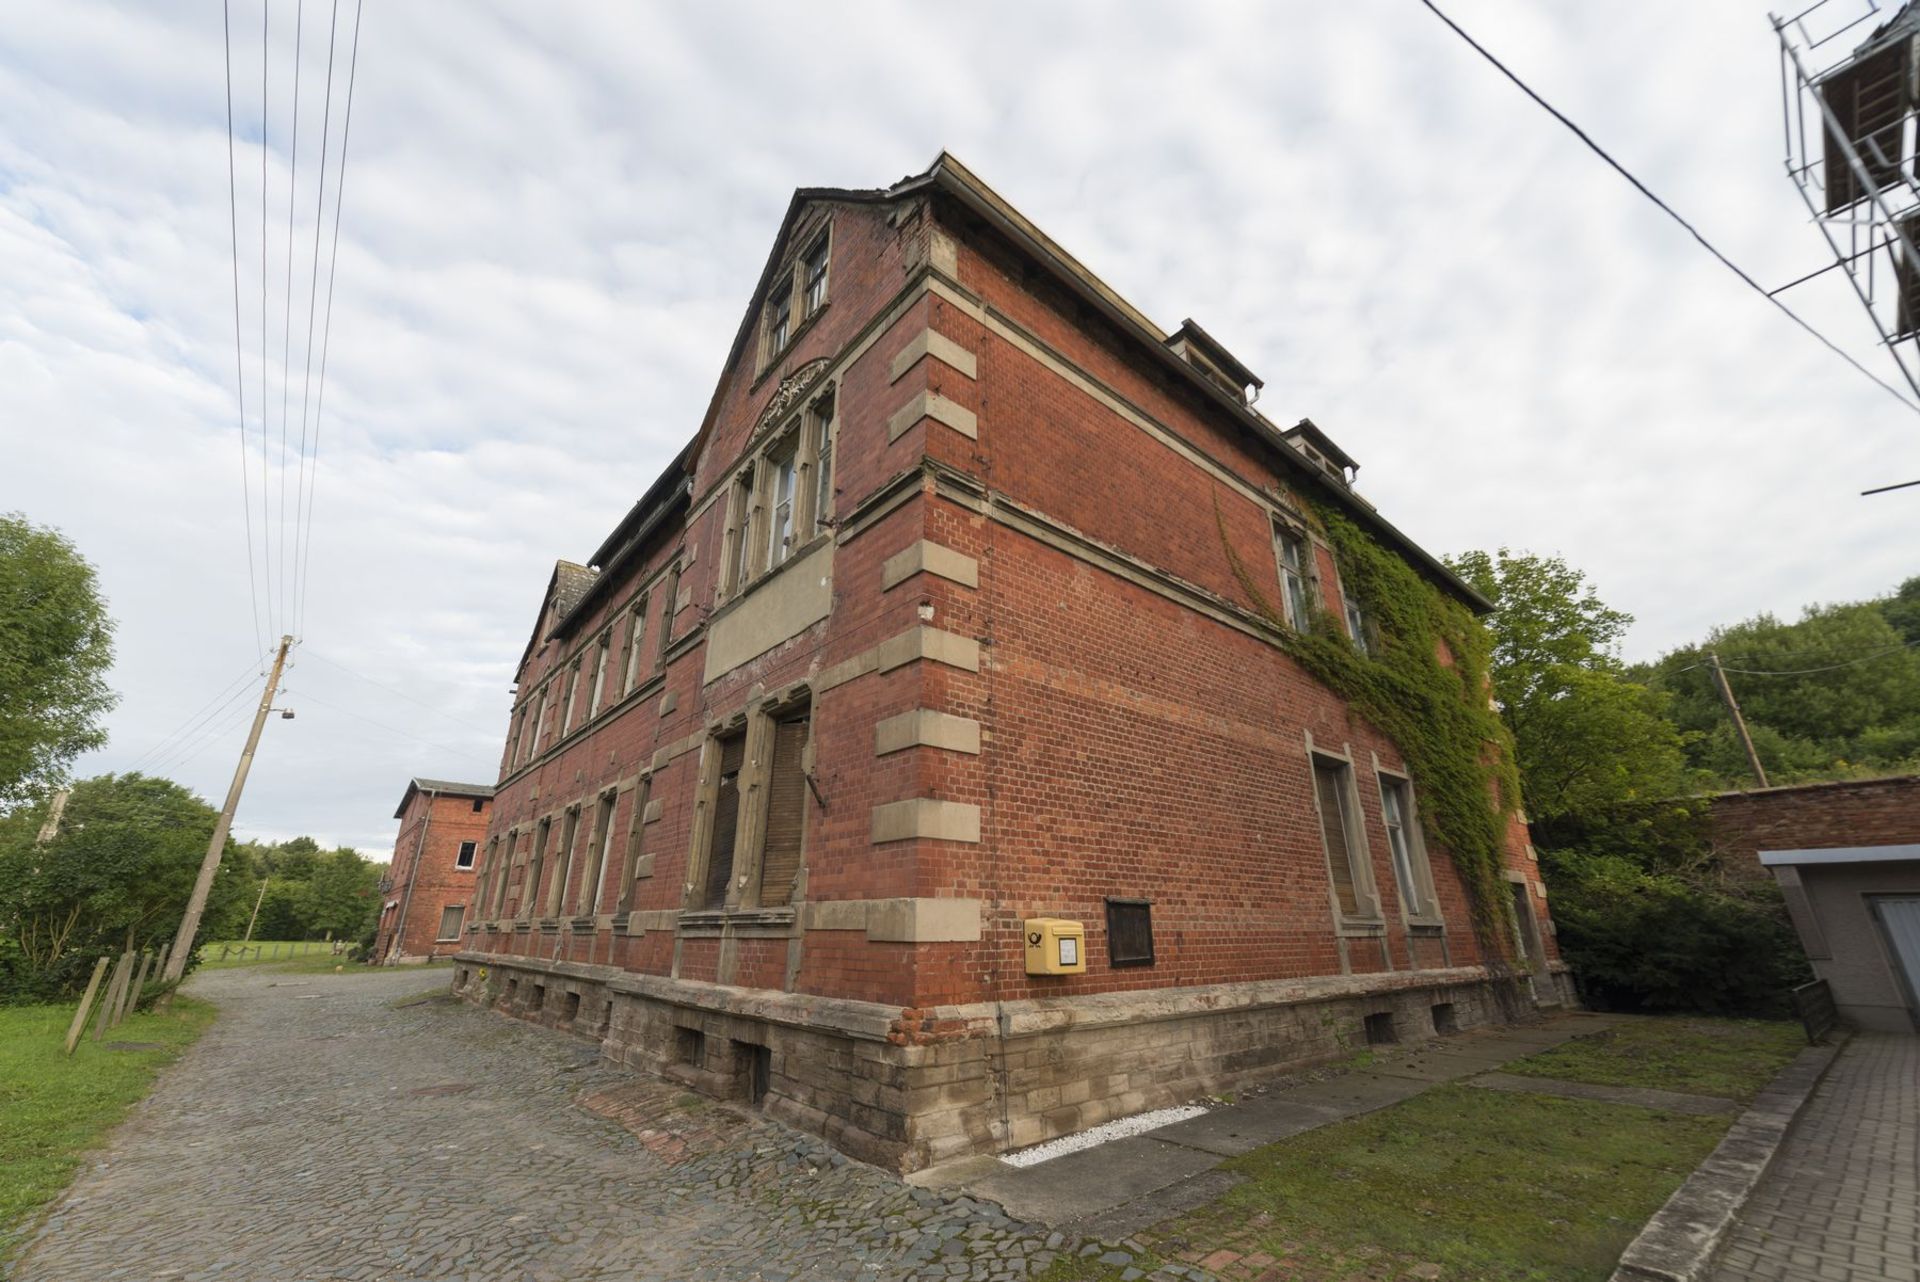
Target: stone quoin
[[931, 630]]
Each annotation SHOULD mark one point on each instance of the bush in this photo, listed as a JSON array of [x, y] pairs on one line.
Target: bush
[[1642, 939]]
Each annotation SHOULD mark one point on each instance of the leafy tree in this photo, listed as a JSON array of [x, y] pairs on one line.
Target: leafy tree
[[1584, 735], [1837, 691], [1903, 611], [310, 891], [115, 876], [56, 644]]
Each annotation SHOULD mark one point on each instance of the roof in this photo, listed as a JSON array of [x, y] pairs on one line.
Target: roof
[[1841, 855], [570, 582], [1225, 361], [440, 788], [1310, 431]]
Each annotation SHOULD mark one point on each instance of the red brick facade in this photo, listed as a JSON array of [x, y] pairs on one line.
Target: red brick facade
[[428, 891], [1818, 816], [1033, 681]]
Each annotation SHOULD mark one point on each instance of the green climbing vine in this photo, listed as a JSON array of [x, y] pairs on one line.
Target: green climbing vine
[[1423, 682]]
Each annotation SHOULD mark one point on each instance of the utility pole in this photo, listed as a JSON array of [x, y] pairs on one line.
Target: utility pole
[[1739, 722], [51, 828], [255, 915], [197, 902]]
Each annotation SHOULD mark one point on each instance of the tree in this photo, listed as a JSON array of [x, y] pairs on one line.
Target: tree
[[115, 876], [1903, 611], [1584, 735], [1835, 691], [56, 644]]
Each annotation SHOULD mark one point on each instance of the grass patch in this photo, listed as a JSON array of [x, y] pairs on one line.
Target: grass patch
[[1490, 1186], [272, 952], [52, 1109], [1732, 1058]]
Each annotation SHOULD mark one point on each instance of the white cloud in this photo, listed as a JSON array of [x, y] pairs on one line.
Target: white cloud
[[554, 214]]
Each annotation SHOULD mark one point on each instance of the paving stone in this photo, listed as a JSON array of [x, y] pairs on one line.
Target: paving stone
[[351, 1158]]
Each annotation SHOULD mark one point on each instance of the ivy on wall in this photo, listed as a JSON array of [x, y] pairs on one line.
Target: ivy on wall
[[1423, 682]]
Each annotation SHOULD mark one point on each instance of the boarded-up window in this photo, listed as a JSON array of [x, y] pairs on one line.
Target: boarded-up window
[[563, 864], [530, 888], [601, 846], [450, 922], [726, 821], [1130, 932], [1869, 99], [786, 811], [1330, 783], [636, 842]]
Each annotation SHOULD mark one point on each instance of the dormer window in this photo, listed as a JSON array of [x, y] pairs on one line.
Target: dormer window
[[814, 273], [780, 316]]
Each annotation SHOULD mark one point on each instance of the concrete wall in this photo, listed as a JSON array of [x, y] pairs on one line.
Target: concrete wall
[[1832, 911]]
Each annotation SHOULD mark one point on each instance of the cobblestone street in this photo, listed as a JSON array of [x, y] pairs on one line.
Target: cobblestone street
[[1842, 1201], [320, 1130]]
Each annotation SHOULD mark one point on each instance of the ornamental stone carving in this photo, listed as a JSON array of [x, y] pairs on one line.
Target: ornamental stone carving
[[790, 389]]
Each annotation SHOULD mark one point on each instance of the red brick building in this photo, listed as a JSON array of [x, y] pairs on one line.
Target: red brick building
[[929, 637], [428, 890]]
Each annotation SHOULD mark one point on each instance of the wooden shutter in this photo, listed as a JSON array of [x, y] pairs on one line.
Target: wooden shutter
[[1333, 826], [786, 813], [1869, 99], [726, 821]]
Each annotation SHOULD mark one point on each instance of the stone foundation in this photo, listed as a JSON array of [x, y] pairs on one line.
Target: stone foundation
[[904, 1089]]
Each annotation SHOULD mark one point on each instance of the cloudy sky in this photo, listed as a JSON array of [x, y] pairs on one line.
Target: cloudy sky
[[554, 213]]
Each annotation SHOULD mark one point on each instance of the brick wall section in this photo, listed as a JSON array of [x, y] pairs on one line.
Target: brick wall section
[[1867, 812], [426, 860], [1139, 734]]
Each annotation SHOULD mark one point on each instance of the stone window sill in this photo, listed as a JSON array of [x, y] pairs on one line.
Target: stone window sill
[[711, 921]]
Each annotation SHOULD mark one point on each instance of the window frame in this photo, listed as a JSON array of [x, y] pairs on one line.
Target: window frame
[[636, 643], [817, 452], [555, 899], [600, 839], [1356, 622], [814, 286], [1114, 960], [470, 851], [530, 888], [782, 466], [779, 328], [636, 845], [1367, 911], [757, 728], [1296, 580], [597, 701], [1419, 862], [459, 923]]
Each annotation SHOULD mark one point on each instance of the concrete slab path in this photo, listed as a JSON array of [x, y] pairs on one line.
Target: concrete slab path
[[1116, 1189], [1841, 1202]]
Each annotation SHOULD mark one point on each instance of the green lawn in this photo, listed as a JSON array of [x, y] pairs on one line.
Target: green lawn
[[53, 1108], [1733, 1058]]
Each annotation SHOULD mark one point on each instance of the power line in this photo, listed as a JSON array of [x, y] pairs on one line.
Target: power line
[[286, 306], [310, 697], [1667, 209], [1831, 667], [234, 716], [266, 529], [239, 369], [335, 663], [192, 721], [326, 330], [313, 293]]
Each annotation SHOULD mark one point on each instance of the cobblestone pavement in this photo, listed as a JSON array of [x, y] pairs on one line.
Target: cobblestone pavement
[[1842, 1202], [320, 1131]]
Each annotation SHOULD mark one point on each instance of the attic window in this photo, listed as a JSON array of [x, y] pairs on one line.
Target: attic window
[[780, 316], [814, 267]]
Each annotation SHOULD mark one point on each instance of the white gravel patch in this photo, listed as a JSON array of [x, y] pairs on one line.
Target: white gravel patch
[[1118, 1129]]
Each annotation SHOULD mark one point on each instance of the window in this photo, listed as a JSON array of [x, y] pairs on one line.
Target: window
[[566, 709], [603, 655], [499, 868], [781, 468], [636, 843], [740, 533], [1410, 872], [786, 810], [450, 923], [530, 889], [1330, 782], [814, 269], [1130, 932], [636, 635], [563, 868], [465, 858], [821, 427], [602, 846], [1292, 549], [726, 820], [479, 804], [489, 869], [1356, 623], [668, 609], [780, 316], [539, 723]]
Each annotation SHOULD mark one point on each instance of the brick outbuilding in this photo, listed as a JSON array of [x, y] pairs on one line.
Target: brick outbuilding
[[928, 653], [428, 890]]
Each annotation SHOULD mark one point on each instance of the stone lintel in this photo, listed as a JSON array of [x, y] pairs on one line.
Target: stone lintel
[[957, 567], [925, 728], [938, 408], [937, 345], [926, 819]]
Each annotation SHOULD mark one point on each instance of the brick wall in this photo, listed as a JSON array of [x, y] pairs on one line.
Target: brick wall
[[426, 876], [1867, 812]]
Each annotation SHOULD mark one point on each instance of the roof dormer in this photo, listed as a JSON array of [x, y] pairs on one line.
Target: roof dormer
[[1201, 351], [1321, 450]]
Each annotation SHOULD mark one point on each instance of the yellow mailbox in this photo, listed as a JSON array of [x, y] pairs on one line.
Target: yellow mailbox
[[1056, 946]]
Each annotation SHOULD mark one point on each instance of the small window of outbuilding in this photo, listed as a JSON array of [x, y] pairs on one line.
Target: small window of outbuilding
[[1130, 932], [465, 858]]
